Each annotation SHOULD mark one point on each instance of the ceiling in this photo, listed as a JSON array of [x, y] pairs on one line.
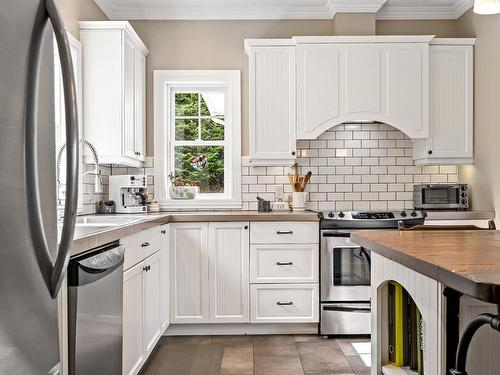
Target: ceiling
[[280, 9]]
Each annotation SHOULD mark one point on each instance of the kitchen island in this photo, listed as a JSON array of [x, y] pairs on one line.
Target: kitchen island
[[437, 268]]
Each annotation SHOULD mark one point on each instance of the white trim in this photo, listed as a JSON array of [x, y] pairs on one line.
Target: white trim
[[363, 39], [115, 25], [242, 329], [453, 41], [164, 82], [430, 12], [116, 10]]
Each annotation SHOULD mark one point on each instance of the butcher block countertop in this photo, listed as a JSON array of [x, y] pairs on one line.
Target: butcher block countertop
[[465, 260]]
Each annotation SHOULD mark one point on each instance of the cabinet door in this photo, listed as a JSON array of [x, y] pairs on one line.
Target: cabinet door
[[133, 305], [229, 272], [140, 104], [151, 301], [318, 96], [128, 98], [164, 277], [189, 290], [272, 118]]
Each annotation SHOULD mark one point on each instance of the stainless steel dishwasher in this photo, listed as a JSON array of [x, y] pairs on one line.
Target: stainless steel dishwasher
[[95, 311]]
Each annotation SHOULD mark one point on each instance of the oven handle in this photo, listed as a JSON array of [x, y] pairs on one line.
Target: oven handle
[[347, 309], [336, 234]]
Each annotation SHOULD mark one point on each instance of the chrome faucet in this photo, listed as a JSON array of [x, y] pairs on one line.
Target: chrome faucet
[[96, 172]]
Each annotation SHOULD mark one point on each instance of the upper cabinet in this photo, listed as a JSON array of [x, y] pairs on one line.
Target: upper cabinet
[[342, 79], [114, 91], [451, 104], [272, 103]]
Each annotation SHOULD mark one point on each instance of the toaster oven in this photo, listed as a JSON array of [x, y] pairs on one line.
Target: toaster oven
[[441, 196]]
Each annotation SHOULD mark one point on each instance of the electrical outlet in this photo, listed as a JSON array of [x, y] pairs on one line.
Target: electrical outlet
[[278, 192]]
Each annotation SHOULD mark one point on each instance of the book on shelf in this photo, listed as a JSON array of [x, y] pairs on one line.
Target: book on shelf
[[405, 327]]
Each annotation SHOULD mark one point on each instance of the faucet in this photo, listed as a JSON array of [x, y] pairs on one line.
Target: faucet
[[96, 172]]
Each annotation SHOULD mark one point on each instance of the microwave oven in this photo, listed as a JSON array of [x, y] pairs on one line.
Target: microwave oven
[[440, 196]]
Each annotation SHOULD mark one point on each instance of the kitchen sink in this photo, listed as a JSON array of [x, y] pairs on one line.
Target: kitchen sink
[[106, 220]]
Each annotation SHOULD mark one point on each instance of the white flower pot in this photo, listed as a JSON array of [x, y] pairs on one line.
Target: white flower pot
[[183, 192]]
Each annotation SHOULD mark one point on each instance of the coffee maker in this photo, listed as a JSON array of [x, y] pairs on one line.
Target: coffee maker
[[129, 193]]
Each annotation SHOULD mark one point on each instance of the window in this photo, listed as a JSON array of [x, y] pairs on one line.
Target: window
[[197, 137]]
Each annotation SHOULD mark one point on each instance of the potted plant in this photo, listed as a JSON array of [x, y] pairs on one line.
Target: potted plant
[[181, 188]]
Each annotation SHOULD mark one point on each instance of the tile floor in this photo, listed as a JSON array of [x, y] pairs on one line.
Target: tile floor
[[259, 355]]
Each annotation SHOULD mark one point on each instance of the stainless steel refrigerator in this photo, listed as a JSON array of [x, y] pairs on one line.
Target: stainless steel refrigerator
[[32, 259]]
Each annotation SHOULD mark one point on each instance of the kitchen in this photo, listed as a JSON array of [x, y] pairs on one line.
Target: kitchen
[[138, 137]]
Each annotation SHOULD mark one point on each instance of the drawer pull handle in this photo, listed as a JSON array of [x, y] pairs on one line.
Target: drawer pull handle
[[163, 231], [145, 244], [284, 232], [284, 303], [284, 263]]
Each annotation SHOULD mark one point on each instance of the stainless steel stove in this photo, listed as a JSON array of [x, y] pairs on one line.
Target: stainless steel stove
[[345, 267]]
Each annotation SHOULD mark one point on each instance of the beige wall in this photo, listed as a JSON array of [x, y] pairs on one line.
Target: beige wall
[[212, 45], [354, 24], [79, 10], [440, 28], [484, 175]]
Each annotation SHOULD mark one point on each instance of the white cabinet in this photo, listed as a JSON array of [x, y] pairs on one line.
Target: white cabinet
[[229, 272], [189, 285], [451, 104], [151, 297], [209, 272], [133, 311], [343, 79], [272, 101], [114, 72], [145, 295], [165, 277]]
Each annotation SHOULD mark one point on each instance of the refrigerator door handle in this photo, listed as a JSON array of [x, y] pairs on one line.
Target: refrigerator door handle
[[52, 272]]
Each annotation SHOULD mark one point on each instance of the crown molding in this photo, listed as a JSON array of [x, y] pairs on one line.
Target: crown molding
[[326, 9], [429, 12]]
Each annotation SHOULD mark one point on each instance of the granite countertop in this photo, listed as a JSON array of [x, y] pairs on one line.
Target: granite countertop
[[88, 237], [465, 260]]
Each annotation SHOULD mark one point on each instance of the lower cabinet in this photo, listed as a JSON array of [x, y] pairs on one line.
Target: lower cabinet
[[141, 312], [209, 272], [145, 295]]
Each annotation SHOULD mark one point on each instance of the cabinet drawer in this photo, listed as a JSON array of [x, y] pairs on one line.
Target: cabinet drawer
[[275, 263], [141, 245], [284, 232], [286, 303]]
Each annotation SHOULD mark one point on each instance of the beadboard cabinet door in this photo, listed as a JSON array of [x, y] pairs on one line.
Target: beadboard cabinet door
[[133, 311], [114, 94], [189, 285], [339, 82], [272, 103], [451, 105], [229, 272], [151, 301]]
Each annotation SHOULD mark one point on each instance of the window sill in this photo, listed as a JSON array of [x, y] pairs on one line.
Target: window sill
[[201, 204]]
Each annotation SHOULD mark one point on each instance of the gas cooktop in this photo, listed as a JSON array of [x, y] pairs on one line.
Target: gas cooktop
[[370, 219]]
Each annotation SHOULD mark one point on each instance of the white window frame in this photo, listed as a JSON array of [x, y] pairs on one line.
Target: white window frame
[[167, 82]]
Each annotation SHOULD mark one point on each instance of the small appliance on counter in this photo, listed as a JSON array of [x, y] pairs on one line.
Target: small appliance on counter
[[263, 205], [129, 193], [106, 207], [441, 196]]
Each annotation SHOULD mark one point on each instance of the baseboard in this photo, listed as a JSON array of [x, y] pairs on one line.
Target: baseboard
[[242, 329]]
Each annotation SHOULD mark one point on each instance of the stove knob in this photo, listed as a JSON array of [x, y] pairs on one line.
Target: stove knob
[[413, 213], [341, 214], [331, 214], [403, 214]]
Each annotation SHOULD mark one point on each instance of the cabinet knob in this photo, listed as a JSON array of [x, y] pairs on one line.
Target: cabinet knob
[[245, 227], [145, 268], [145, 244], [293, 153], [429, 152], [163, 231]]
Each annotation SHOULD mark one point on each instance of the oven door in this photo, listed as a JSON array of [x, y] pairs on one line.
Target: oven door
[[345, 268]]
